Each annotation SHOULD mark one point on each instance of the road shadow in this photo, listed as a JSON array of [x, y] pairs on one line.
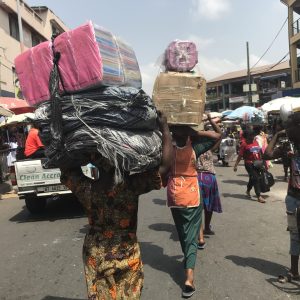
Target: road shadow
[[280, 178], [261, 265], [154, 256], [238, 196], [160, 202], [269, 268], [238, 182], [167, 228], [60, 298], [242, 175], [62, 208], [5, 188], [84, 229], [289, 288]]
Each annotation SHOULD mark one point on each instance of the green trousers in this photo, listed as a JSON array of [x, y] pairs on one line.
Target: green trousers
[[188, 222]]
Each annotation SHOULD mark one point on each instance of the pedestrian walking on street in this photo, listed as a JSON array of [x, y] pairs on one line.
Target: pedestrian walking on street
[[208, 187], [251, 152], [292, 199], [111, 253], [262, 140], [183, 193]]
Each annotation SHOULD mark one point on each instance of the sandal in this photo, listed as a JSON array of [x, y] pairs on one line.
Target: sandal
[[201, 246], [188, 291], [289, 277], [261, 200]]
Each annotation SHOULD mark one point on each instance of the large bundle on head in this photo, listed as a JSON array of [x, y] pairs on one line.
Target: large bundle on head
[[90, 56], [181, 96], [181, 56], [92, 103], [180, 92], [290, 112]]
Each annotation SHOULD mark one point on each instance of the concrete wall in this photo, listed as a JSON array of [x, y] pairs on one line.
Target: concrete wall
[[10, 47]]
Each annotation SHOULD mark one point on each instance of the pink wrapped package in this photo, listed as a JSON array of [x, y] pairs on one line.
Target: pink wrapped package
[[80, 63], [33, 68], [181, 56]]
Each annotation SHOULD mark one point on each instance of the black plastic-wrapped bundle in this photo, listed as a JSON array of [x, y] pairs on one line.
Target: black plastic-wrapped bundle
[[117, 107], [117, 122], [125, 150]]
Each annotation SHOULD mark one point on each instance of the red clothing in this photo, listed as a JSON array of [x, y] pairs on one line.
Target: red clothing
[[250, 152], [33, 142]]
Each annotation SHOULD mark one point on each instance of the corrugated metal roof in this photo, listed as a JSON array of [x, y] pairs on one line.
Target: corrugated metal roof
[[267, 69]]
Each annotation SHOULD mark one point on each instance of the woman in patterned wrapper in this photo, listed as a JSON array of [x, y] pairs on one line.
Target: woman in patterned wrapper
[[111, 253], [208, 187]]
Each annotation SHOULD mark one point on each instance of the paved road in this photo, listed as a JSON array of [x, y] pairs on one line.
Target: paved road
[[41, 256]]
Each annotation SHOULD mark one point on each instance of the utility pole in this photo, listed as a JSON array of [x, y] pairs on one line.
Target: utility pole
[[20, 27], [0, 75], [249, 76]]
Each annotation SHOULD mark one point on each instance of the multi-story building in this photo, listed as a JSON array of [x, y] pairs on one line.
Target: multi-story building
[[294, 38], [269, 82], [230, 90], [38, 23]]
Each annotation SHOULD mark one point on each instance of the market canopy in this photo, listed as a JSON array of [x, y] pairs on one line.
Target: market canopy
[[18, 106], [274, 105], [226, 113], [17, 119], [247, 113], [5, 112]]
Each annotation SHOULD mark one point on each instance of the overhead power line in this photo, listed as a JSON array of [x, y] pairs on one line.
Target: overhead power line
[[273, 66], [270, 44]]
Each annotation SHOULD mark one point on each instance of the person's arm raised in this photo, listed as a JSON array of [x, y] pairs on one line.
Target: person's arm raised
[[271, 152], [217, 129], [167, 147]]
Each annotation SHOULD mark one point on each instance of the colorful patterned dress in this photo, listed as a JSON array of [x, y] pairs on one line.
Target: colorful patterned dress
[[208, 182], [111, 253]]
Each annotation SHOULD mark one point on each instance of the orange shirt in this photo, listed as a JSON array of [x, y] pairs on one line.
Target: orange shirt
[[183, 187], [33, 142]]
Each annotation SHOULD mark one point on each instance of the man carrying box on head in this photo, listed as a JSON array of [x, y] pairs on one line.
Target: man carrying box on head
[[292, 200]]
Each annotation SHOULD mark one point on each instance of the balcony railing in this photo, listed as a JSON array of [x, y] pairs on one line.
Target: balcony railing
[[296, 27], [297, 75]]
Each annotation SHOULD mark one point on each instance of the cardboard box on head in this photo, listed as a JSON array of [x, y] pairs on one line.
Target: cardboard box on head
[[181, 96]]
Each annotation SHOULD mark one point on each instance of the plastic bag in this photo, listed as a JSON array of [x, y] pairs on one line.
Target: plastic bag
[[125, 150], [117, 122], [118, 107]]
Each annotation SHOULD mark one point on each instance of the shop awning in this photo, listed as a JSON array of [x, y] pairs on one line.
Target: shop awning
[[273, 76]]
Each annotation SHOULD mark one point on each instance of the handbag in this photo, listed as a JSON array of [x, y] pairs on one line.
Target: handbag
[[266, 181], [258, 164], [270, 178]]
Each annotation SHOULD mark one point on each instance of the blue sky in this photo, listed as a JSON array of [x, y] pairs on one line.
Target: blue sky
[[220, 28]]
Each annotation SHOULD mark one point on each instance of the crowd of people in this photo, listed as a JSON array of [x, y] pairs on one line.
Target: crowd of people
[[19, 142], [111, 253]]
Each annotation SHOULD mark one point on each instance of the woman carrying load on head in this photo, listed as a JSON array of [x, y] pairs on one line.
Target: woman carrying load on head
[[208, 187], [111, 253], [183, 193]]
